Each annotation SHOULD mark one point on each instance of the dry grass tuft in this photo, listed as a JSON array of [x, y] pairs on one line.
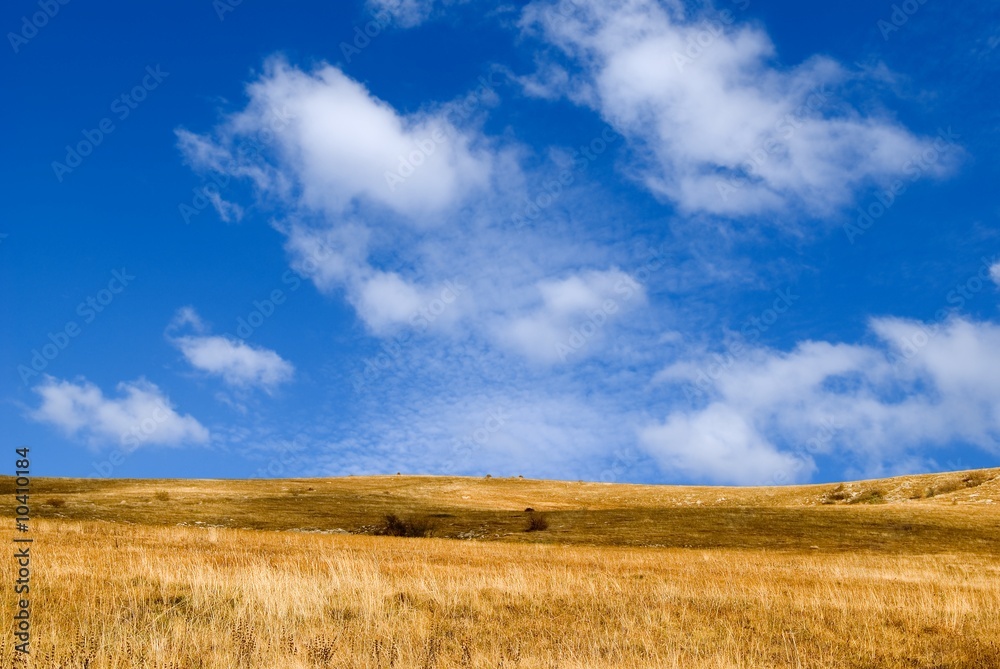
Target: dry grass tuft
[[868, 496], [969, 480]]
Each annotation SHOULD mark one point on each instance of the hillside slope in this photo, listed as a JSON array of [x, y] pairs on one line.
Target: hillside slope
[[925, 513]]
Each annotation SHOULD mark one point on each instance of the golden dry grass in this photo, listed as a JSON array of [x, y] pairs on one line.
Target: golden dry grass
[[912, 583]]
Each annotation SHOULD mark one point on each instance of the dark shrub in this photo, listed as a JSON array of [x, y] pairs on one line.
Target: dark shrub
[[537, 522], [394, 526]]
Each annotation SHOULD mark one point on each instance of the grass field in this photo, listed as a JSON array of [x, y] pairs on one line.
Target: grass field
[[897, 573]]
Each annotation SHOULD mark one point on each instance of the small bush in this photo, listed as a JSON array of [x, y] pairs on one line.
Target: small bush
[[394, 526], [975, 479], [838, 494], [949, 486], [968, 481], [162, 495], [537, 522], [869, 496], [56, 502], [421, 527]]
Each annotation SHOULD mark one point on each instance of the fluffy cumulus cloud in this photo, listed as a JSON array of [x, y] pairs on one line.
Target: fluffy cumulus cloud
[[236, 362], [337, 146], [140, 415], [995, 273], [762, 416], [718, 126], [719, 445], [352, 176]]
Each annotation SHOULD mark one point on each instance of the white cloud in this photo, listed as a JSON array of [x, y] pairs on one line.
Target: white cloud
[[385, 298], [337, 146], [919, 387], [570, 313], [228, 211], [385, 301], [409, 13], [353, 178], [995, 273], [330, 256], [238, 363], [187, 317], [718, 126], [141, 415], [718, 445]]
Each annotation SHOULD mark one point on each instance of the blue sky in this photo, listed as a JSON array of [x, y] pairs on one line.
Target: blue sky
[[742, 243]]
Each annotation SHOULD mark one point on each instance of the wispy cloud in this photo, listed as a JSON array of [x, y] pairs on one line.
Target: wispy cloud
[[410, 13]]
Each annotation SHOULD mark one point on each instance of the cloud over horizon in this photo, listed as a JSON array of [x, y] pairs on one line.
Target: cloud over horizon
[[761, 416], [141, 414]]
